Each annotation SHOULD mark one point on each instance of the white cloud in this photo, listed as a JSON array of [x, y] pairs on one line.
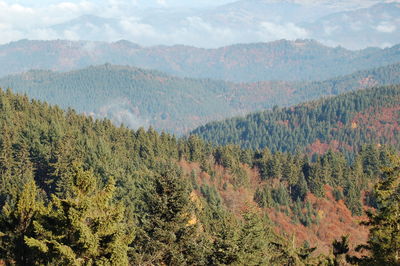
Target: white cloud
[[271, 31], [134, 27], [330, 29], [162, 2], [30, 19], [386, 27]]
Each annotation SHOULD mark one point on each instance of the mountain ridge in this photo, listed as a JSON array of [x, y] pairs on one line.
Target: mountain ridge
[[279, 60]]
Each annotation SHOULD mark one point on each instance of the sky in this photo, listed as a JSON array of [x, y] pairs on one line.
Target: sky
[[138, 3], [30, 17], [34, 19]]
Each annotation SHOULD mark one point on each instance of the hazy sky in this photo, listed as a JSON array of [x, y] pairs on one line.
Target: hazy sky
[[139, 3], [33, 19]]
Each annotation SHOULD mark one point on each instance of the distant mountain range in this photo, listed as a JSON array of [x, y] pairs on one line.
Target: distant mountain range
[[279, 60], [350, 24], [140, 97], [378, 25]]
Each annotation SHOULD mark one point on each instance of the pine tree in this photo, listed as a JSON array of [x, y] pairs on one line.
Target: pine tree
[[168, 230], [254, 240], [340, 249], [16, 222], [85, 228], [384, 238], [225, 246], [300, 189], [353, 198]]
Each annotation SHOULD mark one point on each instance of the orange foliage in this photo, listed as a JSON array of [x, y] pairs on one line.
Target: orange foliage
[[335, 219]]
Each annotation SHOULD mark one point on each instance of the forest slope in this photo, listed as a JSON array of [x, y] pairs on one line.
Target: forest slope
[[343, 122], [73, 188]]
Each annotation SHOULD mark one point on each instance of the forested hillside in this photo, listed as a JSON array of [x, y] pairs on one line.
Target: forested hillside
[[140, 97], [342, 123], [74, 190], [278, 60]]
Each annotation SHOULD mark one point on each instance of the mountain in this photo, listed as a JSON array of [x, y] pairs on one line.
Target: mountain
[[138, 97], [352, 24], [279, 60], [378, 25], [345, 123], [76, 189]]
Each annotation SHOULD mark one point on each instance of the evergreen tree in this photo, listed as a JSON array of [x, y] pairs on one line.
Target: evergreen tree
[[340, 249], [225, 246], [353, 198], [300, 189], [254, 240], [168, 230], [16, 222], [384, 238], [85, 228]]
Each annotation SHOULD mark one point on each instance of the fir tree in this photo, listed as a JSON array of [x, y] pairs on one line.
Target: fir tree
[[384, 239], [85, 228], [16, 222], [168, 230]]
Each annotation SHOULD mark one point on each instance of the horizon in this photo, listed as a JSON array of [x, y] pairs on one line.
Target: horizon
[[206, 24], [198, 47]]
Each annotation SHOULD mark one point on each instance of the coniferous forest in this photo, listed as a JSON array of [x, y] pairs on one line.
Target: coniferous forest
[[79, 191], [342, 123], [140, 97], [200, 133]]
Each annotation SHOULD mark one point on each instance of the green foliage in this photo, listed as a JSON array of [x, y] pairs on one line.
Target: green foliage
[[384, 238], [253, 240], [353, 195], [55, 210], [323, 121], [83, 229], [16, 222], [300, 189], [263, 197], [168, 230], [140, 97]]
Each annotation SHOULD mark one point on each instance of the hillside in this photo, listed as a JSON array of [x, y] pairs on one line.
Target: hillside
[[278, 60], [344, 123], [138, 97], [75, 189]]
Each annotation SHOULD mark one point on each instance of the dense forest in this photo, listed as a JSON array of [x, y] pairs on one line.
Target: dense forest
[[278, 60], [342, 123], [140, 97], [79, 191]]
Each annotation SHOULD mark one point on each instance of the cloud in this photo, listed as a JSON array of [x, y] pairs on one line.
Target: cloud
[[9, 34], [272, 31], [121, 111], [134, 28], [162, 2], [126, 19], [330, 29], [386, 27], [15, 15]]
